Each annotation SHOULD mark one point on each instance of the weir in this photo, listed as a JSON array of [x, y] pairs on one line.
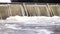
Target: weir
[[27, 9], [29, 18]]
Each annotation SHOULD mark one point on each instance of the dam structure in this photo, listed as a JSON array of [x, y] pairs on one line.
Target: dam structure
[[29, 9], [29, 18]]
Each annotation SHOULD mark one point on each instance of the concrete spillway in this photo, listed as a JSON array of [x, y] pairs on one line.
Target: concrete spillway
[[29, 10]]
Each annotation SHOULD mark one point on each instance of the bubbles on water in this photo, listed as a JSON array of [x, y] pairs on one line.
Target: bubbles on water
[[10, 26], [34, 19], [44, 31]]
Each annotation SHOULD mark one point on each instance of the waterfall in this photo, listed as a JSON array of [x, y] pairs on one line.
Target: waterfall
[[9, 10], [25, 8], [23, 13], [30, 10], [31, 17]]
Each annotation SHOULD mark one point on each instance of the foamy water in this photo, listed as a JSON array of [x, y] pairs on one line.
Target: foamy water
[[16, 29], [33, 20], [44, 31], [11, 23]]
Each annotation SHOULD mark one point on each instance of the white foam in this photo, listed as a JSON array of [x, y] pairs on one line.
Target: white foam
[[10, 26], [44, 31], [33, 20]]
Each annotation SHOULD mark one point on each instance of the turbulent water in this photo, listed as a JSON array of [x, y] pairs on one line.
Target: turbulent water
[[19, 29], [32, 19], [30, 25]]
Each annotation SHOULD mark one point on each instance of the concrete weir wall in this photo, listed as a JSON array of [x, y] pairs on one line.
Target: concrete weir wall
[[7, 10]]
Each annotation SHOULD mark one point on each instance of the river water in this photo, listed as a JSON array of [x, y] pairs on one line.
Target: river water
[[30, 25]]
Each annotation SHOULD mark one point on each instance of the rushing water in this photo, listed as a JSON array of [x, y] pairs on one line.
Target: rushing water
[[12, 28], [30, 25], [29, 19], [24, 9]]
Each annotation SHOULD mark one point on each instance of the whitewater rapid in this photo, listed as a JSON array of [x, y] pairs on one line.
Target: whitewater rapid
[[29, 25], [32, 20]]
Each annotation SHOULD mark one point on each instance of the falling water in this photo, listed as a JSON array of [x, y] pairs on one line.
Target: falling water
[[33, 10], [38, 15], [22, 11], [9, 10], [0, 16], [38, 10], [25, 9]]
